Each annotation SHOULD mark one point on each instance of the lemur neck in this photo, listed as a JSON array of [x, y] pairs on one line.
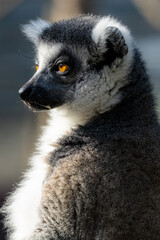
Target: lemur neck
[[61, 122]]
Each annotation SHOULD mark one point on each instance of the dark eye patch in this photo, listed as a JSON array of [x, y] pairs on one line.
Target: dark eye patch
[[65, 57]]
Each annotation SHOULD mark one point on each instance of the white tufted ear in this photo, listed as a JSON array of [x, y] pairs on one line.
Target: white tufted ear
[[33, 29], [112, 37]]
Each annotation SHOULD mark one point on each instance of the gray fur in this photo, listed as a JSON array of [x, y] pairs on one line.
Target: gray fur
[[103, 181]]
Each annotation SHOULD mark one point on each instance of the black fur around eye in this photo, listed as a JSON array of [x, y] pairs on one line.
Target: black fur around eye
[[65, 63], [62, 66]]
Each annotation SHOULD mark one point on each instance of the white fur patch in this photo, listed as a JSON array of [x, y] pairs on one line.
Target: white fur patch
[[23, 204], [45, 54], [33, 29], [98, 34]]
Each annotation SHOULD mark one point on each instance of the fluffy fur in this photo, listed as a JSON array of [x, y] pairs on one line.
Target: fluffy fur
[[96, 172], [33, 29]]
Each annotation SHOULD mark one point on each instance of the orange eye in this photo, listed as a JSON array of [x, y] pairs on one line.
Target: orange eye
[[37, 67], [63, 68]]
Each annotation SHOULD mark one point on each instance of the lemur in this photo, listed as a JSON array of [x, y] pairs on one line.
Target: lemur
[[96, 172]]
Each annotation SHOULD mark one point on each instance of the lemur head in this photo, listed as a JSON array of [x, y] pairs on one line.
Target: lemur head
[[81, 63]]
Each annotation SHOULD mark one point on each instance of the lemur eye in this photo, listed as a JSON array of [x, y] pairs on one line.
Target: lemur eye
[[37, 67], [63, 67]]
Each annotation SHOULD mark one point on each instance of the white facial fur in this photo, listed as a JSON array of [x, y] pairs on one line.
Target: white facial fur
[[34, 29], [45, 53]]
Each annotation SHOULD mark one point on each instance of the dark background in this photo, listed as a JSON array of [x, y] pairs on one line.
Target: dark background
[[19, 128]]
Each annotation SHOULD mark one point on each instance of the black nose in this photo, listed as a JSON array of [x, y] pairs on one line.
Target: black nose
[[25, 92]]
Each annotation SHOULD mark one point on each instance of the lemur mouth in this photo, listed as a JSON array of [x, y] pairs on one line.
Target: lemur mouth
[[37, 106]]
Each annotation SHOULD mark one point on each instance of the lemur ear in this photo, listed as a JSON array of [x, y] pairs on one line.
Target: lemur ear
[[34, 29], [110, 40]]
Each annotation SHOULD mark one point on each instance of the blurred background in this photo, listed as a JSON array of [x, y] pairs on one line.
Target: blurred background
[[20, 128]]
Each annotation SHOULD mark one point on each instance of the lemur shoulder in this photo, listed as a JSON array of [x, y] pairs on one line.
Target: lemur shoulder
[[96, 172]]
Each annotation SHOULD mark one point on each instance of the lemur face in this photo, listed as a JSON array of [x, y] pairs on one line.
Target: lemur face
[[79, 62], [53, 83]]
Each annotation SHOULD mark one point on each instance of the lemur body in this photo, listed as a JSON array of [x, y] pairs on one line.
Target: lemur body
[[96, 174]]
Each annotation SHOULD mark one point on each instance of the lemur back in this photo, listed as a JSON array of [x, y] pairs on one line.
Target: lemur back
[[97, 171]]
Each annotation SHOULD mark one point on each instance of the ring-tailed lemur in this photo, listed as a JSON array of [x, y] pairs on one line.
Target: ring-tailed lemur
[[96, 173]]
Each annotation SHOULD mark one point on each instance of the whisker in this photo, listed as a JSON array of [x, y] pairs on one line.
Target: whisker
[[30, 58]]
